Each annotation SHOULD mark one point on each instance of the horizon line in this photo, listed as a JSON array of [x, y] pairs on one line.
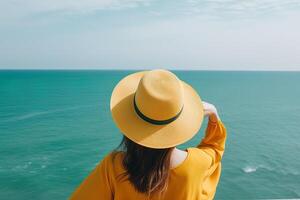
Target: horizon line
[[139, 69]]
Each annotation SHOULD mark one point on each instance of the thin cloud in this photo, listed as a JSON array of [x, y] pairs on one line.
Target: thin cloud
[[239, 8], [15, 9]]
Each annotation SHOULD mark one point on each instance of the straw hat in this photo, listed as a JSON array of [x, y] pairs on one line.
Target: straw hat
[[156, 109]]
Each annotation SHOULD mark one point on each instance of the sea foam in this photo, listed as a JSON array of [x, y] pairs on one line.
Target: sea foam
[[39, 113], [249, 169]]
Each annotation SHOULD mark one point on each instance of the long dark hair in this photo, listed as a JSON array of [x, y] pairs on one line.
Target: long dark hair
[[146, 168]]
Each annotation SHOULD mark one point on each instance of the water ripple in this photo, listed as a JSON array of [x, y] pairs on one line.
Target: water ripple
[[40, 113]]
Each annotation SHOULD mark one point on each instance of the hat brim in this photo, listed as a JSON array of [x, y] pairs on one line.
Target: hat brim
[[146, 134]]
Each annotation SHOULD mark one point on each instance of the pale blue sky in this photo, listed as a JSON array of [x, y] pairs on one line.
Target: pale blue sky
[[121, 34]]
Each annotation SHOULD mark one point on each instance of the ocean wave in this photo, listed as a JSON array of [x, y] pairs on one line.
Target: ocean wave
[[39, 113], [281, 170], [249, 169], [28, 116]]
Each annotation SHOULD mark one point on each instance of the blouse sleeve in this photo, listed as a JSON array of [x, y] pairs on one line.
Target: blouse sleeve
[[214, 141], [97, 185], [213, 144]]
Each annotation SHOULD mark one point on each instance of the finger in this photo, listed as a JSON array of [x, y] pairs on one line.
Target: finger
[[206, 112]]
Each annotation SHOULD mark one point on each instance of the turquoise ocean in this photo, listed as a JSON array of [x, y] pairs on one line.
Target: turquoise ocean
[[55, 126]]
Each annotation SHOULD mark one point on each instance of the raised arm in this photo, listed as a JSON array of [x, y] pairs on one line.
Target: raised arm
[[215, 135], [212, 144]]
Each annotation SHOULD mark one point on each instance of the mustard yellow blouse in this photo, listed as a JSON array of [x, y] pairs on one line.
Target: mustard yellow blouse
[[195, 178]]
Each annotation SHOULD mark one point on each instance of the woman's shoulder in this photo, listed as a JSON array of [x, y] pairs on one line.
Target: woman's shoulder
[[199, 158], [113, 160], [194, 166]]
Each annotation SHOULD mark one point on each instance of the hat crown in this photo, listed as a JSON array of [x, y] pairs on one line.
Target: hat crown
[[159, 95]]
